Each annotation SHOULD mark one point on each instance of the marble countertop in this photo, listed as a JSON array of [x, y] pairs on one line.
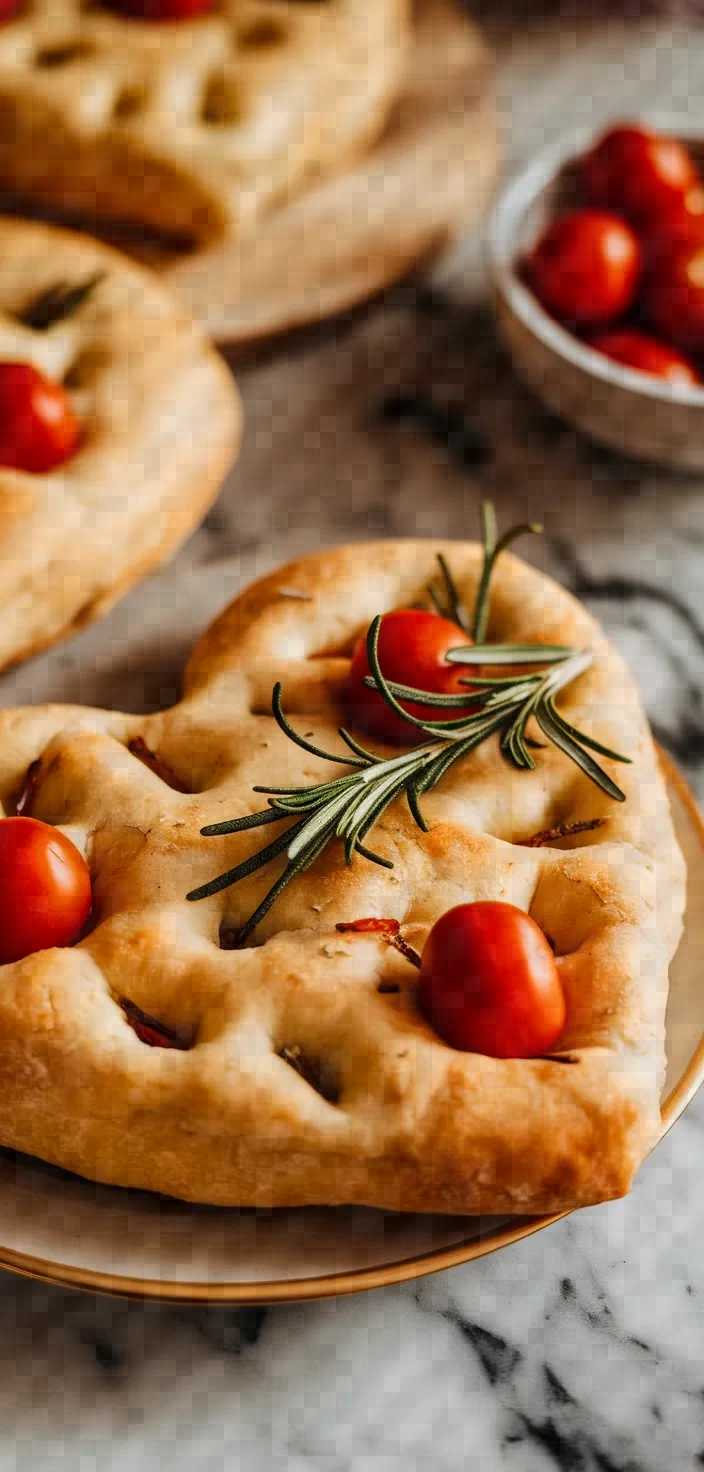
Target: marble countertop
[[581, 1348]]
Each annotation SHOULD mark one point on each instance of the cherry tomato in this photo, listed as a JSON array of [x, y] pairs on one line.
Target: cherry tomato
[[412, 648], [38, 428], [585, 267], [638, 172], [646, 355], [673, 293], [45, 894], [8, 8], [160, 9], [682, 222], [674, 229], [489, 983]]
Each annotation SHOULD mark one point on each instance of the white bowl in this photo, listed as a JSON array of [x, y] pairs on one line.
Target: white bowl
[[627, 410]]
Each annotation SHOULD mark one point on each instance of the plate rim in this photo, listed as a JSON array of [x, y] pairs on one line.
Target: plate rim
[[357, 1280]]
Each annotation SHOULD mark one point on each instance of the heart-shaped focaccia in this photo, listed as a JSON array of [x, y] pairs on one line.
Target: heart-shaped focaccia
[[191, 127], [299, 1068], [154, 419]]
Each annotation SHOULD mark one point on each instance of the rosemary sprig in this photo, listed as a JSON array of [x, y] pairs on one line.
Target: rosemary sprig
[[58, 303], [506, 704], [347, 807]]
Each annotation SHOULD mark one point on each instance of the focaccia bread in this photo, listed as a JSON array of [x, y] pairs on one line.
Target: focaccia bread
[[305, 1072], [160, 424], [191, 128]]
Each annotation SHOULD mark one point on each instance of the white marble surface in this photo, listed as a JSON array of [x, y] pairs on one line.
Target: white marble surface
[[582, 1348]]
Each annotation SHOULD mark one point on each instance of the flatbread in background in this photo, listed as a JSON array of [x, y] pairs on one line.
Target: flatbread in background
[[349, 230], [192, 128], [160, 420], [428, 177]]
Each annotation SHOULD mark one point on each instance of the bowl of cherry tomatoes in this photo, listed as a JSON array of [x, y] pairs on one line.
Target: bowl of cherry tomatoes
[[596, 256]]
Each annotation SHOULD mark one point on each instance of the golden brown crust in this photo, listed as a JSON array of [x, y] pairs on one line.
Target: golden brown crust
[[161, 423], [196, 128], [384, 1113]]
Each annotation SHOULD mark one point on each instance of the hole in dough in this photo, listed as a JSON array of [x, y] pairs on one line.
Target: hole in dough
[[573, 833], [154, 1034], [138, 748], [128, 103], [21, 803], [322, 1075], [84, 369], [569, 907], [263, 35], [222, 103], [51, 58], [227, 937]]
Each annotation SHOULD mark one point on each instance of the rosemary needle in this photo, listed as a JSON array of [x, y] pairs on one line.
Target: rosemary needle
[[59, 302]]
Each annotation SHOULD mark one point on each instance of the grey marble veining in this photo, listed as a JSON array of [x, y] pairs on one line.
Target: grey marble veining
[[582, 1348]]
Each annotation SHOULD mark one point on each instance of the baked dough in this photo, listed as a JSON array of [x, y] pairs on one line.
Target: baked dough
[[308, 1075], [192, 128], [161, 424]]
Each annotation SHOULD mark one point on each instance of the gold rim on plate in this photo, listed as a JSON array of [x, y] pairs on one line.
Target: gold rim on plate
[[360, 1279]]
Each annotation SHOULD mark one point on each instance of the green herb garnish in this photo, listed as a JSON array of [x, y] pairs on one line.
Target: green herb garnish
[[349, 806], [58, 303]]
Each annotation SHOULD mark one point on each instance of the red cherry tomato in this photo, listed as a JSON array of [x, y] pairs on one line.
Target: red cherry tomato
[[585, 267], [45, 894], [646, 355], [673, 293], [638, 172], [38, 428], [413, 644], [672, 233], [683, 221], [489, 983], [8, 8], [674, 228], [160, 9]]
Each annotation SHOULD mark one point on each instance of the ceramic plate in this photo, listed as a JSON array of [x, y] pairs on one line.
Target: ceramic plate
[[58, 1228]]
